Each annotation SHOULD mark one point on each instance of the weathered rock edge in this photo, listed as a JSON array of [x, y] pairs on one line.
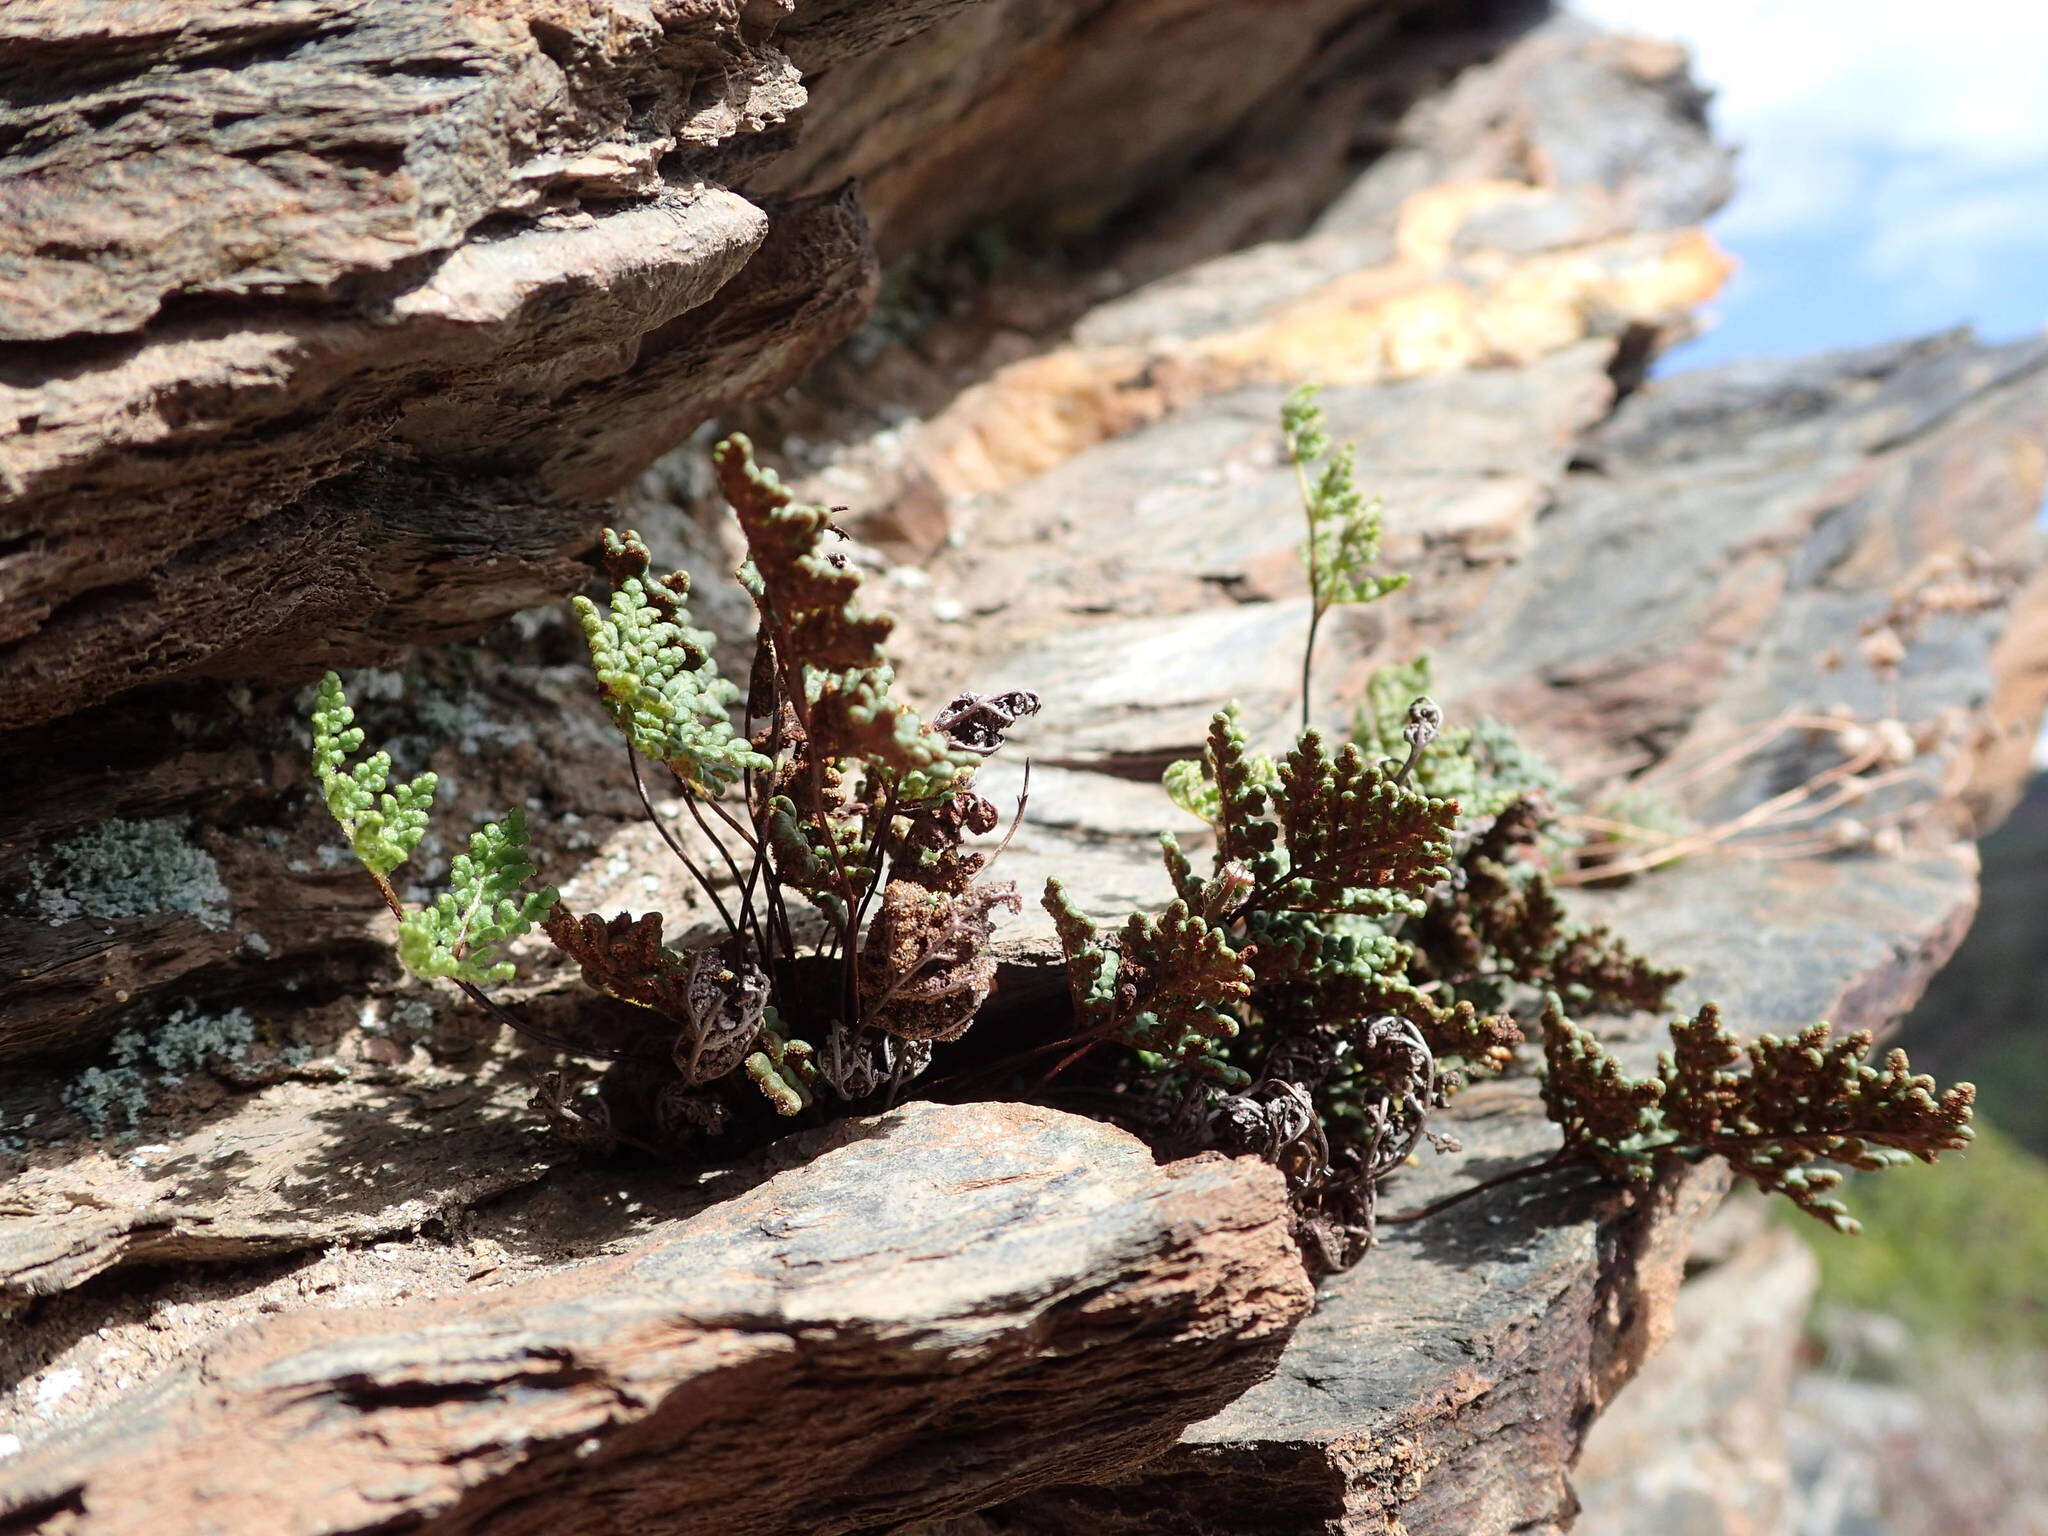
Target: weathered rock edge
[[298, 301], [944, 1306]]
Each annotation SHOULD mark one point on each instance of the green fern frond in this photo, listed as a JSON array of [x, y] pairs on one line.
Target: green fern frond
[[1806, 1108], [1091, 964], [459, 936], [1356, 839], [1345, 528], [657, 676], [383, 824], [1192, 790]]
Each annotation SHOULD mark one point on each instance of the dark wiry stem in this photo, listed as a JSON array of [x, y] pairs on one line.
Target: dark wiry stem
[[1308, 650], [877, 834], [674, 847], [792, 674], [1414, 756], [1315, 586], [758, 807], [520, 1026], [694, 805]]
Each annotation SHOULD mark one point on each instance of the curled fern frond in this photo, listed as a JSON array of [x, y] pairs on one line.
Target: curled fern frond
[[714, 1005], [783, 1068], [927, 967]]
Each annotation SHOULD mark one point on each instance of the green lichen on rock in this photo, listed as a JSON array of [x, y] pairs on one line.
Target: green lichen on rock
[[124, 868], [141, 1063]]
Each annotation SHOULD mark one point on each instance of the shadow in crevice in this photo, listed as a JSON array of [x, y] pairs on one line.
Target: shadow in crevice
[[1504, 1225]]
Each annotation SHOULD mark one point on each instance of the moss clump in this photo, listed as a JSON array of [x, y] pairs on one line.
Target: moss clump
[[124, 868]]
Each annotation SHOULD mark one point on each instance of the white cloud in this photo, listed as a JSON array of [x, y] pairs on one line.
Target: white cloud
[[1913, 137], [1964, 78], [1954, 237]]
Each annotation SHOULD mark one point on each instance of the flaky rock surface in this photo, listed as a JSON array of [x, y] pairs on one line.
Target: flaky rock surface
[[1074, 1304], [324, 323]]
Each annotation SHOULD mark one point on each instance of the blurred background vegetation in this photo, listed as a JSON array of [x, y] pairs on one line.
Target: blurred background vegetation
[[1960, 1254]]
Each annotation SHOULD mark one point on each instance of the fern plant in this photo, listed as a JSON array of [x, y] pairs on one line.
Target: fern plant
[[818, 791], [1797, 1113], [1344, 525], [1376, 926], [460, 934]]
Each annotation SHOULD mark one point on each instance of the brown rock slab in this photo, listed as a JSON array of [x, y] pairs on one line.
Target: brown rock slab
[[937, 1308], [299, 1165], [1447, 1382], [324, 329]]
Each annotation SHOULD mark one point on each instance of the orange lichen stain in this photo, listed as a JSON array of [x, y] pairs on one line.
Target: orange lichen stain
[[1432, 310]]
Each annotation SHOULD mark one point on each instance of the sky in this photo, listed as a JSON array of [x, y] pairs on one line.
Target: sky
[[1894, 169]]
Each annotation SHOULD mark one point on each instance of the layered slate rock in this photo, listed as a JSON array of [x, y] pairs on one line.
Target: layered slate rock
[[313, 316], [1002, 1313], [332, 328], [760, 1367], [292, 1167], [1714, 549], [325, 324]]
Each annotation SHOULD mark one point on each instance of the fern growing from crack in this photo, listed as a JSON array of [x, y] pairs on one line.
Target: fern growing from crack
[[1373, 929], [818, 787]]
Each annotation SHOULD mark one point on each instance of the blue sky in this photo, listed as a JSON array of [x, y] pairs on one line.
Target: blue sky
[[1894, 168]]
